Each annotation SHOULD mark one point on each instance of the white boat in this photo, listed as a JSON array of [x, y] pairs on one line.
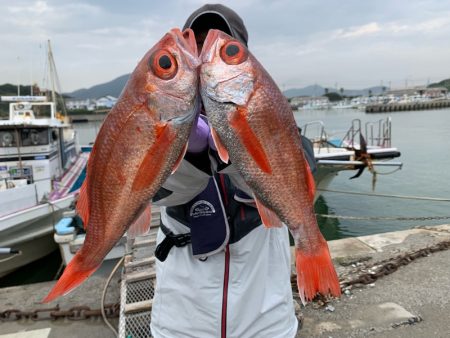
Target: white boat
[[348, 153], [40, 165]]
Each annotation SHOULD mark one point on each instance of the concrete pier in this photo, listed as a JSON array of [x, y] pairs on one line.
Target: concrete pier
[[393, 107], [411, 302]]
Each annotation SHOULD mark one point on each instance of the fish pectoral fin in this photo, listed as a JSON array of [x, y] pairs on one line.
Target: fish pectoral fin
[[223, 152], [74, 274], [155, 158], [316, 273], [268, 217], [141, 224], [180, 159], [239, 123], [82, 206]]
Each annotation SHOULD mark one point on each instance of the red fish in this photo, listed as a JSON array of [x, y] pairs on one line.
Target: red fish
[[254, 127], [140, 143]]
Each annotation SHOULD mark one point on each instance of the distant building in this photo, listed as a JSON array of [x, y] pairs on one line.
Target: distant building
[[73, 104], [423, 91], [107, 101]]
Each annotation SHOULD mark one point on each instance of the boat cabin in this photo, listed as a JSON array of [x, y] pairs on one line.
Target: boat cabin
[[36, 146]]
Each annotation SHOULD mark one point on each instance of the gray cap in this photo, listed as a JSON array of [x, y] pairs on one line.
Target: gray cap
[[218, 17]]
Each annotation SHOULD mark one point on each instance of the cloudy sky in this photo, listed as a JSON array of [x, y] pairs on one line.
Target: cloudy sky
[[350, 44]]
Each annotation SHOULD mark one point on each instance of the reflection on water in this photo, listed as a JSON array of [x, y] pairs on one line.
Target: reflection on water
[[87, 131], [328, 226]]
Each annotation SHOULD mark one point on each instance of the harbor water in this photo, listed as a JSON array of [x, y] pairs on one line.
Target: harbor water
[[423, 138]]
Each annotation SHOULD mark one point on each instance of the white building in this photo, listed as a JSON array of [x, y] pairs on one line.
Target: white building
[[107, 101], [72, 104]]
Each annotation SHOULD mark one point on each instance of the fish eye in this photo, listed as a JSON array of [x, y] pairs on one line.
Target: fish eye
[[232, 50], [163, 64], [233, 53]]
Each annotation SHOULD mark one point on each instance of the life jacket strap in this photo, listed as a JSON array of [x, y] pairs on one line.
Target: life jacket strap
[[171, 240]]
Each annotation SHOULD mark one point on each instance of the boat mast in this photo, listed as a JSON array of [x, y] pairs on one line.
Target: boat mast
[[55, 80]]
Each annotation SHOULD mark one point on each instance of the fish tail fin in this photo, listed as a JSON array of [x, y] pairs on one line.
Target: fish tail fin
[[141, 225], [316, 274], [74, 274]]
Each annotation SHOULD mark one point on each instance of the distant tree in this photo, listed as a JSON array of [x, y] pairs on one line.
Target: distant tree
[[333, 97], [341, 90], [326, 91], [370, 92]]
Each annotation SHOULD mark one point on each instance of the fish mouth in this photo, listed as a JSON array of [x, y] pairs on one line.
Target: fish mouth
[[189, 37], [188, 45], [209, 46]]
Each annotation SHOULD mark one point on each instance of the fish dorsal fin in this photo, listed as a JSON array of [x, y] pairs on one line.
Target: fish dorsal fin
[[268, 217], [141, 225], [83, 204], [310, 182], [223, 152], [238, 121], [180, 158]]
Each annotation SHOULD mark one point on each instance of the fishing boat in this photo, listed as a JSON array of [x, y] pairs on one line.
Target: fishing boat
[[360, 147], [41, 168]]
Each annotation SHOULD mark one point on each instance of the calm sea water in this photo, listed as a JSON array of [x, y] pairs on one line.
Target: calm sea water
[[423, 137]]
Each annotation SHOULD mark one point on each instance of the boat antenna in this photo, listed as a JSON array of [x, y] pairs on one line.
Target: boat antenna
[[18, 77]]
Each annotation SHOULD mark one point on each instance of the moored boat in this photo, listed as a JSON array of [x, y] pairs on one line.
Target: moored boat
[[368, 147], [40, 168]]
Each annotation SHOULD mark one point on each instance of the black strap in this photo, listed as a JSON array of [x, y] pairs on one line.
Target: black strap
[[163, 248]]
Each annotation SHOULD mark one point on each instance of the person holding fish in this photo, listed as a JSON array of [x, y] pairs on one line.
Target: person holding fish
[[220, 273], [202, 130]]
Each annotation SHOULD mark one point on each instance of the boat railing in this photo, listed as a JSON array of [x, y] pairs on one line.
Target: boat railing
[[315, 132], [376, 134]]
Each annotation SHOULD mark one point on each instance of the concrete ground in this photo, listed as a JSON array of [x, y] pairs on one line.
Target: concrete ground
[[414, 301], [28, 297]]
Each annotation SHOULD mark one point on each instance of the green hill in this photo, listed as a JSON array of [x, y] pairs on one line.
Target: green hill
[[444, 83], [9, 89]]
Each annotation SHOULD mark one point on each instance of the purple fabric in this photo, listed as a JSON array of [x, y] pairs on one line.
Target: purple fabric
[[200, 137]]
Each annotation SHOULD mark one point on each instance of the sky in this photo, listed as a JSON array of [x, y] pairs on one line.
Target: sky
[[352, 44]]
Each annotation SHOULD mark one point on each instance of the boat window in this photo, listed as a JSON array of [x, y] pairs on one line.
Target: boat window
[[34, 136], [41, 111], [8, 138], [54, 135]]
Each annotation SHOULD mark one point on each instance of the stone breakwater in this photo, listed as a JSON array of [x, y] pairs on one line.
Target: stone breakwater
[[393, 107]]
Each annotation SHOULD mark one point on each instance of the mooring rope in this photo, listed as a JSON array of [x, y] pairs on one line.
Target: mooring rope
[[389, 218], [423, 198]]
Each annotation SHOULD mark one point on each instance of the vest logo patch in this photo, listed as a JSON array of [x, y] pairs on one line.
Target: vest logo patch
[[202, 208]]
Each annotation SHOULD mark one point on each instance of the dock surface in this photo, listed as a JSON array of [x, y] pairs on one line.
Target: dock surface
[[412, 301]]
